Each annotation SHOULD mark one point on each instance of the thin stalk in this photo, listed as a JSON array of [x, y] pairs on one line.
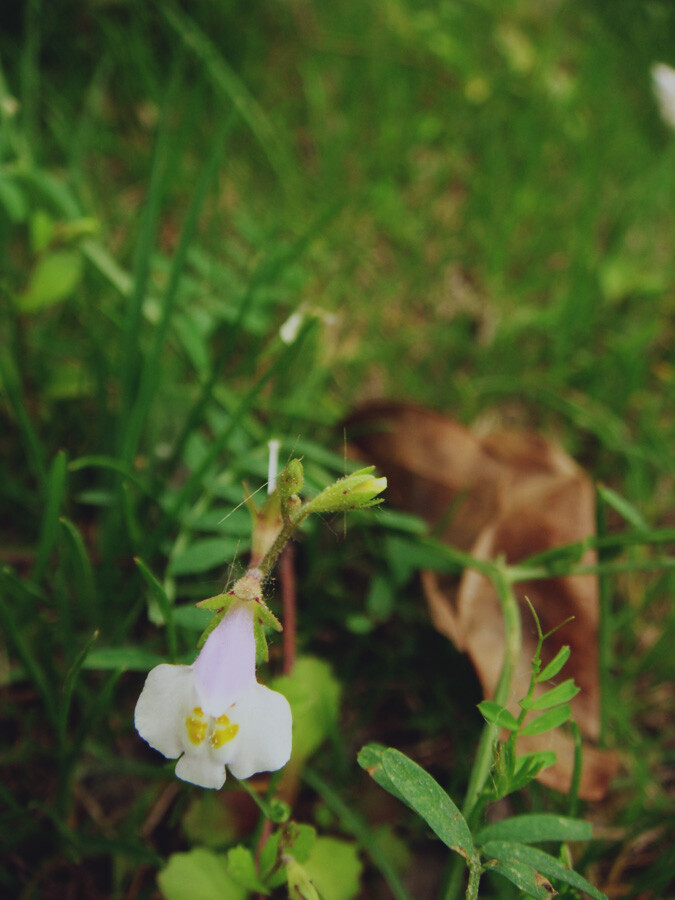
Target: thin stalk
[[604, 629]]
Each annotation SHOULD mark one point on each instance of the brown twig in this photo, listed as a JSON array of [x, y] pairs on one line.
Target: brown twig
[[289, 603]]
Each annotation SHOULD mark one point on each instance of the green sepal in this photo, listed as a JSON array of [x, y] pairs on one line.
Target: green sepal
[[220, 601], [215, 621], [266, 616], [261, 651]]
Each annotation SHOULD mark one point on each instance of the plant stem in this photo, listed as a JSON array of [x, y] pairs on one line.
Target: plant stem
[[512, 645], [502, 579], [475, 871]]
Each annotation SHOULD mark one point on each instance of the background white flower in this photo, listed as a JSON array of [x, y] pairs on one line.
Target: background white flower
[[663, 79], [214, 713]]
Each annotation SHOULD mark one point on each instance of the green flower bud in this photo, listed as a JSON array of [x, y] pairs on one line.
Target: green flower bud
[[300, 885], [356, 491], [291, 479]]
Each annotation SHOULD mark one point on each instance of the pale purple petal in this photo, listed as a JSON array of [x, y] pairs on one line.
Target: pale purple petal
[[264, 739], [225, 668], [201, 770], [166, 697]]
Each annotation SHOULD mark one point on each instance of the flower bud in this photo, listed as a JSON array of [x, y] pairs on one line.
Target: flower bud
[[356, 491], [291, 479]]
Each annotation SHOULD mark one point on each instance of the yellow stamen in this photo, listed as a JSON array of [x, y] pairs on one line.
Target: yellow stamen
[[196, 725], [223, 732]]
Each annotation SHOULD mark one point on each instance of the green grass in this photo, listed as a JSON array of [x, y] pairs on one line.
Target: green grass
[[473, 206]]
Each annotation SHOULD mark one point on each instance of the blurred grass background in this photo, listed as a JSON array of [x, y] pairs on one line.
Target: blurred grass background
[[471, 206]]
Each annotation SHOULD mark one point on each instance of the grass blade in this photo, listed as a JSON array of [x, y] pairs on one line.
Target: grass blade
[[12, 384], [88, 595], [69, 683], [227, 81], [164, 604], [150, 376], [55, 487], [30, 663]]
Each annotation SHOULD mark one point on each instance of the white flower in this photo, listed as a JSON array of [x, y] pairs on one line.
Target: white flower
[[214, 713], [663, 79]]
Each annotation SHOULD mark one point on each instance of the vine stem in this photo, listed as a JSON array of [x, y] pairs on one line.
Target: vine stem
[[502, 579]]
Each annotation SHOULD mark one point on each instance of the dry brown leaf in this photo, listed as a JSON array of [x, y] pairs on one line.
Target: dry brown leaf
[[510, 495]]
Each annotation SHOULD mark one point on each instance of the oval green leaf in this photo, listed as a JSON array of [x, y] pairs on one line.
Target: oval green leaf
[[497, 715], [562, 693], [536, 827], [543, 863], [428, 799], [548, 721], [54, 277], [556, 664]]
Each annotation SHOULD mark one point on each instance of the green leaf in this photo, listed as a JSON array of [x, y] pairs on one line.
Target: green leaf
[[533, 763], [129, 659], [294, 838], [548, 721], [198, 875], [497, 715], [371, 758], [314, 695], [536, 827], [428, 799], [543, 863], [13, 199], [203, 555], [562, 693], [524, 877], [335, 868], [406, 555], [241, 868], [189, 617], [209, 822], [42, 228], [54, 278], [556, 664]]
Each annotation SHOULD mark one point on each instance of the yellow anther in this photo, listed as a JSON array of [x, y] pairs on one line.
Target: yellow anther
[[196, 725], [223, 732]]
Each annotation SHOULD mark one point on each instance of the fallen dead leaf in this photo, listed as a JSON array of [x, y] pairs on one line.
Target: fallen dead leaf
[[508, 495]]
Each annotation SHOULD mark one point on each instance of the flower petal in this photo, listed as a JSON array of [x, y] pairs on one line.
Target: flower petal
[[264, 738], [160, 711], [225, 668], [200, 769]]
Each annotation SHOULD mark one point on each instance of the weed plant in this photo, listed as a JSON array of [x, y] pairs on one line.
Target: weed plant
[[463, 204]]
